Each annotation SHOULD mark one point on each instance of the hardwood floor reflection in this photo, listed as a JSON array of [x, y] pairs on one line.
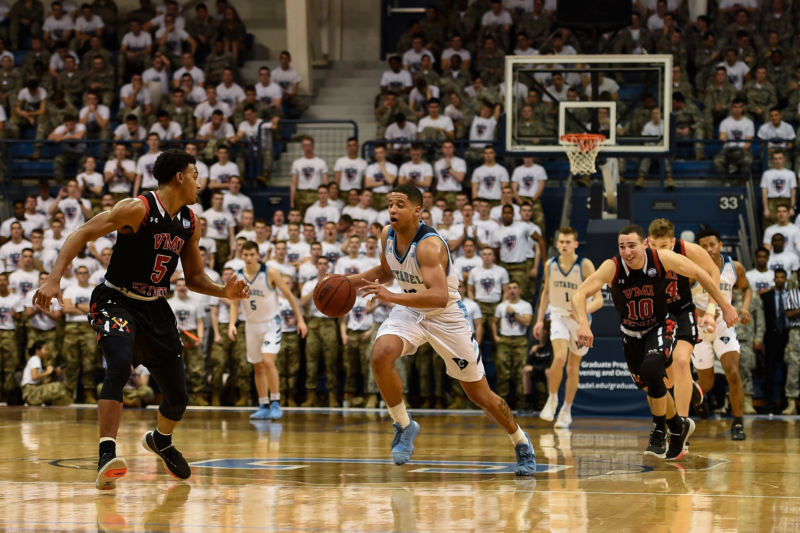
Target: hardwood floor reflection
[[319, 471]]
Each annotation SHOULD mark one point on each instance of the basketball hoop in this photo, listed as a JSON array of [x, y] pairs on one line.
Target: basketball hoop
[[582, 149]]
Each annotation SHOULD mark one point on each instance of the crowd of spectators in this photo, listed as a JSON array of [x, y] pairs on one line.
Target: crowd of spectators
[[93, 72]]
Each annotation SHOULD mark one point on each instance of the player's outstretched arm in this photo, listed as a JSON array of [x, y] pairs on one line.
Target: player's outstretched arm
[[544, 301], [432, 257], [686, 267], [382, 273], [128, 212], [704, 261], [587, 269], [198, 281], [277, 279], [590, 287]]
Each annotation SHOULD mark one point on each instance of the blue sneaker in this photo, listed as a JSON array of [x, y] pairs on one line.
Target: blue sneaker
[[275, 410], [526, 458], [403, 442], [263, 413]]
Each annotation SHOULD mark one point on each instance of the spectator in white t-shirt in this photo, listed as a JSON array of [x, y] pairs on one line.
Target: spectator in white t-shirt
[[69, 136], [738, 71], [86, 25], [790, 232], [449, 172], [456, 48], [235, 202], [131, 131], [308, 173], [77, 210], [216, 131], [396, 80], [438, 126], [289, 80], [416, 172], [230, 92], [189, 67], [58, 26], [736, 131], [136, 46], [203, 112], [412, 59], [482, 129], [144, 166], [170, 39], [167, 130], [135, 99], [400, 130], [780, 134], [349, 170], [268, 91], [221, 172], [778, 185], [90, 181], [488, 179], [497, 22], [321, 213], [120, 173]]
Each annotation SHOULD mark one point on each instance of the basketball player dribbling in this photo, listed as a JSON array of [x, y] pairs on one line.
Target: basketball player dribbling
[[428, 310], [638, 279], [679, 299], [134, 323], [562, 276]]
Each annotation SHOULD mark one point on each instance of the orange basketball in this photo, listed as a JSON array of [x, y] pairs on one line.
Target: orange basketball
[[334, 295]]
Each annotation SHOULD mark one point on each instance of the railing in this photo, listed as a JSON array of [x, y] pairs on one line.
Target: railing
[[330, 141], [9, 151]]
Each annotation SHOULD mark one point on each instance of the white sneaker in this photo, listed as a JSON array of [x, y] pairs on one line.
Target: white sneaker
[[549, 411], [564, 420]]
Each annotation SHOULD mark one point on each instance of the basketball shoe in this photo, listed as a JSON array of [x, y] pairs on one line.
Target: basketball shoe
[[275, 410], [657, 447], [526, 458], [109, 469], [677, 441], [263, 413], [549, 410], [403, 442], [173, 460]]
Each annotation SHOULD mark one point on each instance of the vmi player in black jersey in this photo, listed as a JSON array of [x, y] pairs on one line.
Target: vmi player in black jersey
[[134, 322], [638, 278], [679, 300]]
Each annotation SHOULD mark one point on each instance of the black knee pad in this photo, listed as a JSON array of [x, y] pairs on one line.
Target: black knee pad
[[118, 353], [652, 370], [173, 403]]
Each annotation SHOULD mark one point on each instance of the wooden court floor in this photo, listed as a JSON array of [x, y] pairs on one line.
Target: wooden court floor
[[326, 471]]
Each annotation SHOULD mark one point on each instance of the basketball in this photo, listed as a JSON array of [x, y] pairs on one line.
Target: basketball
[[334, 296]]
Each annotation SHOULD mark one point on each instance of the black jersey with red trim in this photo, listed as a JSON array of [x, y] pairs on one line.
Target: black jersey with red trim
[[640, 296], [144, 261], [679, 290]]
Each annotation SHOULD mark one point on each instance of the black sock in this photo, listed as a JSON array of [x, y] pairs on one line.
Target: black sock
[[675, 425], [738, 420], [162, 441], [660, 422], [108, 446]]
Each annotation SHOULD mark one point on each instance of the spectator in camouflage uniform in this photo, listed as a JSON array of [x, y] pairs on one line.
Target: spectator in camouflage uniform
[[627, 43], [774, 45], [775, 20], [10, 83], [385, 113], [688, 122], [217, 62], [740, 24], [544, 122], [191, 331], [108, 12], [38, 53], [792, 111], [96, 50], [72, 82], [38, 387], [718, 101], [536, 24], [751, 340], [468, 26], [433, 31], [642, 114], [100, 80], [674, 46], [404, 43], [50, 318], [747, 54], [179, 111], [356, 346], [205, 30], [26, 16], [9, 355], [80, 342], [679, 84], [144, 14], [227, 353], [427, 73], [779, 74], [288, 360], [27, 114], [455, 78], [57, 110], [760, 95], [491, 63], [705, 61]]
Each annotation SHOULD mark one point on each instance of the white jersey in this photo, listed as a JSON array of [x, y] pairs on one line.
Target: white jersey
[[187, 312], [408, 273], [563, 285], [263, 305], [727, 281]]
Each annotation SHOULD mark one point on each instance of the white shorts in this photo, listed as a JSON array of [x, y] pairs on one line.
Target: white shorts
[[263, 337], [449, 334], [725, 340], [566, 328]]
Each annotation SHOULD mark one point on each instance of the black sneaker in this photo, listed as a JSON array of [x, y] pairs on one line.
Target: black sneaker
[[109, 469], [678, 444], [658, 444], [697, 394], [173, 460], [702, 409], [737, 432]]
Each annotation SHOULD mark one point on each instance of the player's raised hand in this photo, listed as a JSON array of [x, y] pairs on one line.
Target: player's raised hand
[[585, 335], [237, 289], [45, 294]]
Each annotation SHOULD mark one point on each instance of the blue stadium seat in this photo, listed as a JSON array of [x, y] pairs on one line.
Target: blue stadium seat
[[19, 57]]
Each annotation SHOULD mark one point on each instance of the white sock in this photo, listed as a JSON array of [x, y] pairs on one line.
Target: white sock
[[263, 401], [553, 398], [518, 437], [567, 408], [275, 397], [399, 414], [105, 439]]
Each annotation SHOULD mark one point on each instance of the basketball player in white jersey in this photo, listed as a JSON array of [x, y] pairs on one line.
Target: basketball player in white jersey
[[723, 342], [562, 277], [429, 310], [263, 331]]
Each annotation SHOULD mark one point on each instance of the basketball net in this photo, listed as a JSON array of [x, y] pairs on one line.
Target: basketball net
[[582, 149]]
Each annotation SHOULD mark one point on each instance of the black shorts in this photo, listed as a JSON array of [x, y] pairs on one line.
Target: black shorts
[[661, 339], [688, 330], [150, 325]]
